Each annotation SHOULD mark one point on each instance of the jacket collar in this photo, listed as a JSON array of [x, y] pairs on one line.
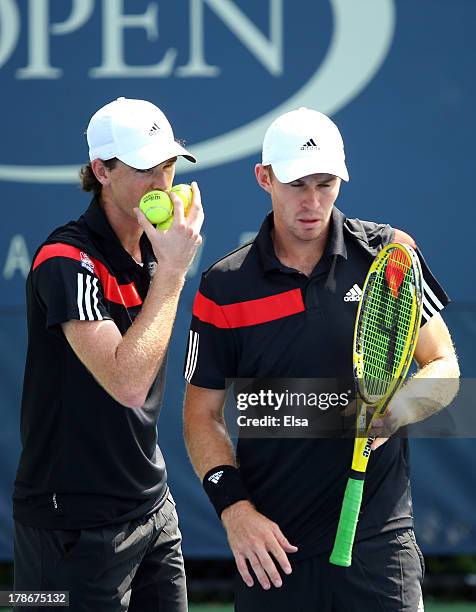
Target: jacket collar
[[97, 222]]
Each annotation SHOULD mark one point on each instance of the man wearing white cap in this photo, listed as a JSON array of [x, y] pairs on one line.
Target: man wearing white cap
[[93, 513], [279, 310]]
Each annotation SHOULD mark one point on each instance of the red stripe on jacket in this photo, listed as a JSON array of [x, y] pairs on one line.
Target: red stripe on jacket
[[251, 312], [126, 295]]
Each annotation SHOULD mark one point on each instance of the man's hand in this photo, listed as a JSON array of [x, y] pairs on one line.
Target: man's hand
[[255, 539], [384, 427], [176, 247]]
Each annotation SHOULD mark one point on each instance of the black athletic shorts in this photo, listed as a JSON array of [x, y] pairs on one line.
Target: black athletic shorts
[[135, 566], [385, 576]]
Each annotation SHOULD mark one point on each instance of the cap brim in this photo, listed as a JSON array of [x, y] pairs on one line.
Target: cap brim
[[291, 170], [152, 155]]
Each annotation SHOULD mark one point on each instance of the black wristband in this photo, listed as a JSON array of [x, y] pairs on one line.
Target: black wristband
[[224, 487]]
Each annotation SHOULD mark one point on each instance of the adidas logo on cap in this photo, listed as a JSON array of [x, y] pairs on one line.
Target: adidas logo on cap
[[154, 129], [215, 477], [354, 294], [310, 145]]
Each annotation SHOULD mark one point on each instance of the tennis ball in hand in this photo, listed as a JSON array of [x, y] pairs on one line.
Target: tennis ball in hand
[[184, 192], [165, 225], [156, 206]]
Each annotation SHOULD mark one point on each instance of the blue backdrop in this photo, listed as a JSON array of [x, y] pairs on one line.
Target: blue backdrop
[[396, 77]]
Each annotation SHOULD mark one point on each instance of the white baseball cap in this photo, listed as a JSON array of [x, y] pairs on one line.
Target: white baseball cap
[[135, 131], [303, 142]]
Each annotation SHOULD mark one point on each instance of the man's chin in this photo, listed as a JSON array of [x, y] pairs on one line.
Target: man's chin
[[310, 234]]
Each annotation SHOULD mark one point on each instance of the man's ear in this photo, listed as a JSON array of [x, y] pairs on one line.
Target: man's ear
[[100, 171], [263, 177]]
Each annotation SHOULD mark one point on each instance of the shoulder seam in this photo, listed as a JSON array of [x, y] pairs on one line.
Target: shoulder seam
[[241, 247]]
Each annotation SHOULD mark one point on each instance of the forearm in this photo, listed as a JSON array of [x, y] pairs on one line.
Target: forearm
[[208, 443], [430, 390], [141, 350]]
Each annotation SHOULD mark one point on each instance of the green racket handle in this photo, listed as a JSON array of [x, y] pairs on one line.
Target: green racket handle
[[349, 516]]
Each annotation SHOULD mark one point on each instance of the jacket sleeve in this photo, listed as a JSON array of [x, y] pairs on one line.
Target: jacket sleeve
[[210, 357], [434, 296], [65, 283]]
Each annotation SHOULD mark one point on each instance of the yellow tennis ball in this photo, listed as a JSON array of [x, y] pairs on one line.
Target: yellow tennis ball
[[184, 192], [156, 206], [165, 225]]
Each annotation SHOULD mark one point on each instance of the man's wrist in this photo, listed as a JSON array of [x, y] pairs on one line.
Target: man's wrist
[[169, 275], [224, 487], [230, 513]]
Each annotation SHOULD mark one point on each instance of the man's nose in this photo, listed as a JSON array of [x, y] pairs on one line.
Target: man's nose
[[159, 179], [312, 197]]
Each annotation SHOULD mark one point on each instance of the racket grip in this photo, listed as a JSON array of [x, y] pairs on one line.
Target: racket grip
[[349, 516]]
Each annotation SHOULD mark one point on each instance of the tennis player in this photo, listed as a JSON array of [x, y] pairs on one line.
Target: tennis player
[[93, 513], [283, 306]]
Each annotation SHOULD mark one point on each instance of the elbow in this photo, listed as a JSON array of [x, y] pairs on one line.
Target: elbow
[[447, 366], [133, 402], [452, 377], [457, 370], [130, 397], [453, 366]]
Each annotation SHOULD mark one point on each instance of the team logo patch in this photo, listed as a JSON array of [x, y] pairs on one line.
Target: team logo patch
[[86, 262]]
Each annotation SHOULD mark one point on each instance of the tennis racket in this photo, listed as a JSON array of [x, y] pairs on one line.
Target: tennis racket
[[385, 335]]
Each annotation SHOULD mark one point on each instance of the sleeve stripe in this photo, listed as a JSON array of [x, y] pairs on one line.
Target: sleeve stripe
[[80, 297], [427, 311], [192, 356], [88, 298], [195, 355], [84, 298], [127, 295], [429, 307], [431, 304], [430, 294], [187, 364], [189, 350], [95, 300]]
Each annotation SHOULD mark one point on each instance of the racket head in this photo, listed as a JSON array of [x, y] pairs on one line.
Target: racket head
[[387, 323]]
